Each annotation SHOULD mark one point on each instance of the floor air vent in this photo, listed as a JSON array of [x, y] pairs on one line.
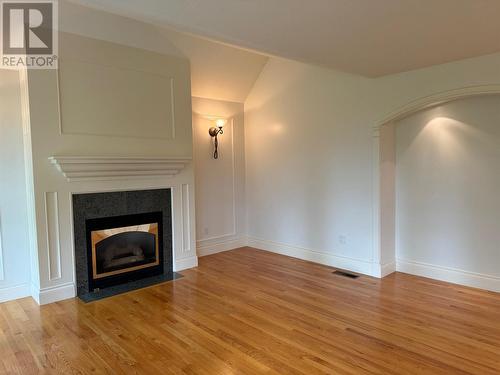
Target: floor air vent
[[345, 274]]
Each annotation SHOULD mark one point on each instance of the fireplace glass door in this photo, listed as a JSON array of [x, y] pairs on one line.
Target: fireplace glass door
[[123, 248]]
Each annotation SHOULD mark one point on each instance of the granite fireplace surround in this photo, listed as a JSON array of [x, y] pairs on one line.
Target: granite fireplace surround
[[102, 205]]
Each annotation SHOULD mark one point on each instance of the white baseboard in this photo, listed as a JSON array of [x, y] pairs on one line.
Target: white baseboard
[[185, 263], [451, 275], [337, 261], [213, 247], [383, 270], [54, 293], [14, 292]]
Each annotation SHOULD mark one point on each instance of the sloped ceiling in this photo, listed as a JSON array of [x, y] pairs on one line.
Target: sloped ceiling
[[367, 37], [218, 71]]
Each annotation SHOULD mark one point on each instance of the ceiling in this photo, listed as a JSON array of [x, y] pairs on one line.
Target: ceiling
[[367, 37]]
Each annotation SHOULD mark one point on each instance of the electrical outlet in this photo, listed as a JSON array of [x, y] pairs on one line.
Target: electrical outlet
[[205, 230], [343, 240]]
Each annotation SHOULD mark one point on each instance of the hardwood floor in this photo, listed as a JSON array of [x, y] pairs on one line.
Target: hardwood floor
[[251, 312]]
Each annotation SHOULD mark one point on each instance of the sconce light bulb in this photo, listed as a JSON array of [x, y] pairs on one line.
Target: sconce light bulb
[[220, 122]]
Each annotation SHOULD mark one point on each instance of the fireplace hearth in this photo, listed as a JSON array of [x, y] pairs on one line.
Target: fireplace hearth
[[123, 241]]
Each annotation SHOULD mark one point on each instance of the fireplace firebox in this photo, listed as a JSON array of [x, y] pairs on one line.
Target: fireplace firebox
[[124, 248]]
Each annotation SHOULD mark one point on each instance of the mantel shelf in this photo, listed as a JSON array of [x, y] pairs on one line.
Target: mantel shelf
[[84, 168]]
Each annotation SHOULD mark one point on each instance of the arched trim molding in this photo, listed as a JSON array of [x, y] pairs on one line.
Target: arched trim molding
[[437, 99], [384, 163]]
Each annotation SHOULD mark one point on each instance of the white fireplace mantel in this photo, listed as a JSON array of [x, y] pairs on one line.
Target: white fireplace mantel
[[87, 168]]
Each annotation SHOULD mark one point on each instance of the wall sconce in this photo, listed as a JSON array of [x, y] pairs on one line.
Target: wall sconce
[[214, 132]]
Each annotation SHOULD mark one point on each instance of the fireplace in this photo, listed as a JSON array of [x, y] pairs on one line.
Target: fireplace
[[123, 241], [124, 248]]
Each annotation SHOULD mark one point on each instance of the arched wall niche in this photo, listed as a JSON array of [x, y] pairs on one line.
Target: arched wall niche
[[384, 171]]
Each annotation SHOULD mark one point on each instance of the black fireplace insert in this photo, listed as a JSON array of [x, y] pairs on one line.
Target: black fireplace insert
[[122, 249]]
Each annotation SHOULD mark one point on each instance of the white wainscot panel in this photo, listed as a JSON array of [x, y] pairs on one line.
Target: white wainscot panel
[[53, 240], [103, 100]]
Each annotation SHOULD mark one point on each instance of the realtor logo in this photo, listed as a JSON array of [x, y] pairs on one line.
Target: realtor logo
[[29, 34]]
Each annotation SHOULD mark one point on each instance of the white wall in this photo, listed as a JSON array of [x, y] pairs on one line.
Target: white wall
[[14, 250], [220, 184], [309, 141], [308, 152], [448, 183]]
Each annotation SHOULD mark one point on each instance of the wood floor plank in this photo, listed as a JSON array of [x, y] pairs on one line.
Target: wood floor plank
[[248, 311]]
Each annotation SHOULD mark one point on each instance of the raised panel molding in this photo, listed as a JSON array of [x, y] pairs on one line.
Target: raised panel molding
[[185, 219], [91, 69], [172, 106], [53, 240], [88, 168]]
